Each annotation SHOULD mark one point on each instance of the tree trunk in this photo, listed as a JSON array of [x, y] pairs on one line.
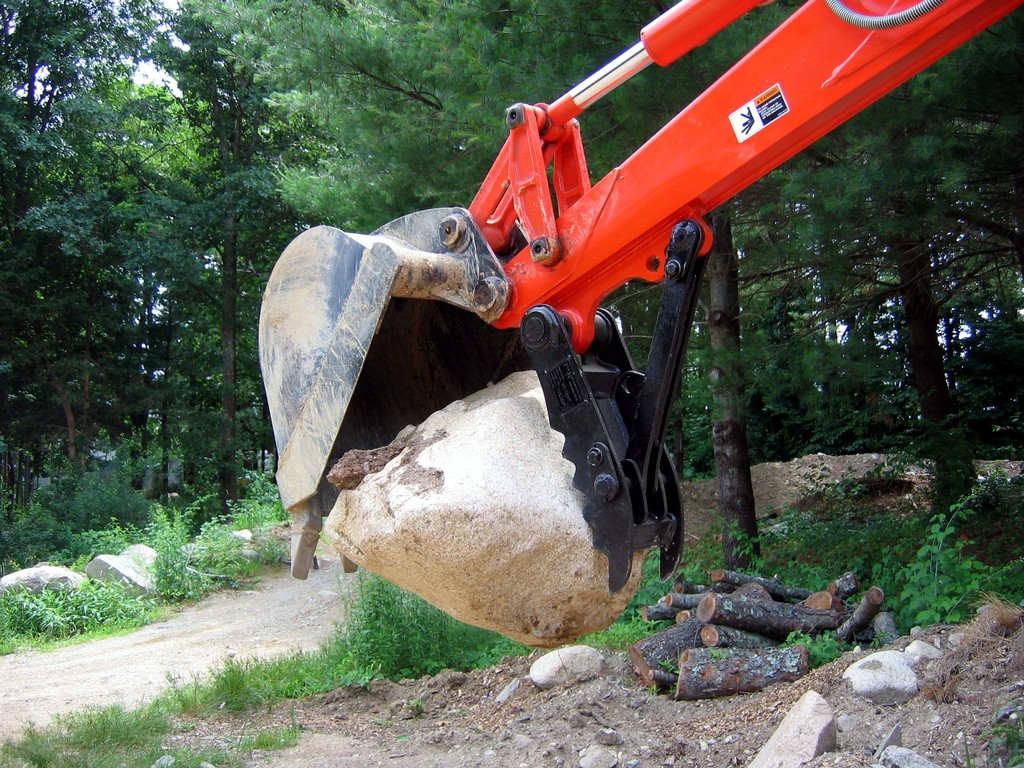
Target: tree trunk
[[229, 392], [927, 361], [953, 470], [728, 434]]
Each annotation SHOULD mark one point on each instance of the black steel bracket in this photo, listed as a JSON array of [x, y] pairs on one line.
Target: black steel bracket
[[614, 417]]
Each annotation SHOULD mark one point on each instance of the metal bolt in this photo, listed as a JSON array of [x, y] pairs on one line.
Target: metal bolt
[[607, 486], [486, 293], [673, 269], [453, 232], [595, 456], [515, 115], [534, 330], [541, 251]]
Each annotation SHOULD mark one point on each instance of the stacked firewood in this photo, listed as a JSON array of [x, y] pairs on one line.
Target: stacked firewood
[[726, 635]]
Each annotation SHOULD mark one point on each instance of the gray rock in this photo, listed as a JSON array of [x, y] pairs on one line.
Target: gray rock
[[40, 578], [167, 761], [561, 666], [507, 692], [609, 737], [807, 730], [596, 756], [123, 569], [885, 677], [901, 757], [243, 535], [919, 651], [892, 739], [141, 553], [846, 723]]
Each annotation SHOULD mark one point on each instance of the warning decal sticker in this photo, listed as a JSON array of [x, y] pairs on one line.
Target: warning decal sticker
[[753, 116]]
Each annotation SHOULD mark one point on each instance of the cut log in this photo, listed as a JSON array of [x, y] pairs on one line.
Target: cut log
[[776, 620], [845, 586], [753, 590], [683, 600], [689, 588], [682, 616], [862, 615], [659, 612], [720, 636], [662, 649], [776, 589], [706, 673], [825, 601]]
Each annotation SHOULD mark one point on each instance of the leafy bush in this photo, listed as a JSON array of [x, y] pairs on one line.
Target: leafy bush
[[169, 533], [394, 634], [59, 614]]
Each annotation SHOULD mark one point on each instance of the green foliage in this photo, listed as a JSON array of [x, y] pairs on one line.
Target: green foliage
[[1006, 739], [940, 581], [59, 614], [821, 649], [394, 634], [169, 533]]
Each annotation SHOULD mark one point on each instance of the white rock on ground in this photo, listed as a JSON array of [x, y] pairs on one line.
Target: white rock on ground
[[40, 578], [808, 730], [123, 569], [561, 666], [478, 516], [919, 651], [144, 554], [885, 677]]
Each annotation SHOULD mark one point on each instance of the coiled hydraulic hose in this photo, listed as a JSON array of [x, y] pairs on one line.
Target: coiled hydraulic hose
[[888, 21]]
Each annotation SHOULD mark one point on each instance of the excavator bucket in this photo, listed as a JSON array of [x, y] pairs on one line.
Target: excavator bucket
[[351, 352]]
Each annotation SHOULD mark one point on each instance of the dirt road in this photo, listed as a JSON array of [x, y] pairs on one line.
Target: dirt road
[[280, 615]]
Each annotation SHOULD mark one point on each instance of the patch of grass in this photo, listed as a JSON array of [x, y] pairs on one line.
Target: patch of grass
[[108, 737]]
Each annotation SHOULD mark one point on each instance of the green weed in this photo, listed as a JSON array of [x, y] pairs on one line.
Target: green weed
[[60, 614], [942, 576]]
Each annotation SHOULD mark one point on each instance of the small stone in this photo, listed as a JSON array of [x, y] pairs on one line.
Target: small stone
[[522, 742], [919, 651], [609, 737], [893, 739], [561, 666], [846, 723], [507, 692], [167, 761], [901, 757], [596, 756]]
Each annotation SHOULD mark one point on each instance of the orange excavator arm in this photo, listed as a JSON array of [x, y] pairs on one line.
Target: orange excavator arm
[[823, 65]]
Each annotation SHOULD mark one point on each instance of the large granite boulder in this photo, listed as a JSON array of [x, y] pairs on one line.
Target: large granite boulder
[[122, 568], [40, 578], [474, 511]]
